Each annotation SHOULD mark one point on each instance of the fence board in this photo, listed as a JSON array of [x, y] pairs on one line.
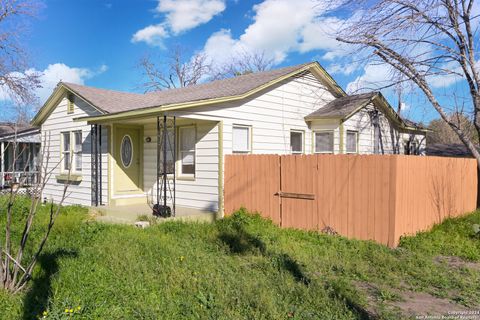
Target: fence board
[[376, 197]]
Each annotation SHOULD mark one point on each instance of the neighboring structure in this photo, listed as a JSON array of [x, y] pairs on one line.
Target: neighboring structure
[[19, 148], [118, 147], [456, 150]]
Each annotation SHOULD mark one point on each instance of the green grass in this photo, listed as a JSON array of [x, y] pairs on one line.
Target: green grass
[[242, 267]]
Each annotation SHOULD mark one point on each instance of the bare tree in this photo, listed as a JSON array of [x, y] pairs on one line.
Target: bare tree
[[426, 41], [175, 71], [15, 82], [243, 63], [442, 133], [16, 269]]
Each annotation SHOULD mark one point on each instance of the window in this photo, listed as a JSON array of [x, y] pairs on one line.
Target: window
[[70, 105], [296, 142], [66, 151], [126, 151], [187, 137], [71, 151], [324, 142], [77, 150], [241, 139], [352, 141]]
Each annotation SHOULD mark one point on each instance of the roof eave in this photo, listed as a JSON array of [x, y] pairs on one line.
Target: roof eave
[[313, 118], [57, 94]]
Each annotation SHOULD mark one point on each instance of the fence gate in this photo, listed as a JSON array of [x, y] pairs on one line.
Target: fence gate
[[297, 192]]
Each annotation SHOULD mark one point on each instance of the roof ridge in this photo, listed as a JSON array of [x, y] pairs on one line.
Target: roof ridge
[[235, 78], [192, 87]]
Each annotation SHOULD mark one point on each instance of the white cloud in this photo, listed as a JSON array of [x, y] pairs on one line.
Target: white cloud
[[280, 27], [345, 68], [56, 72], [180, 16], [374, 77], [152, 35]]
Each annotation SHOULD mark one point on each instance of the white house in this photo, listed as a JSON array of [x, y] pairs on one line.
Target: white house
[[105, 141]]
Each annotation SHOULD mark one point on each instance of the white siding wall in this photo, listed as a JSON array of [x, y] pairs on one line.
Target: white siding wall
[[362, 123], [56, 123], [201, 193], [271, 114]]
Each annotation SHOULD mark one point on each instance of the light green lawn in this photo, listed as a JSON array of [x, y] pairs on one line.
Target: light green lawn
[[242, 267]]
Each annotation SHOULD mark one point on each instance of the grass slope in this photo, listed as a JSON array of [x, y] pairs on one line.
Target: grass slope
[[242, 267]]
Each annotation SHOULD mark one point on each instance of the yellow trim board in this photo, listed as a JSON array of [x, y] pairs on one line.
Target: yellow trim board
[[69, 178], [220, 170], [341, 143]]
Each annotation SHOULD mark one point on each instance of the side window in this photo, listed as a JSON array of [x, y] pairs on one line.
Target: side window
[[324, 142], [241, 139], [71, 151], [187, 137], [352, 141], [296, 142]]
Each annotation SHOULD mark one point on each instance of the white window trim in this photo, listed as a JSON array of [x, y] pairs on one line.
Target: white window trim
[[356, 141], [179, 173], [73, 155], [315, 141], [250, 139], [303, 141]]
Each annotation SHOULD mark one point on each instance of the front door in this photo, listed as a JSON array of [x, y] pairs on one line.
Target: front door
[[128, 155]]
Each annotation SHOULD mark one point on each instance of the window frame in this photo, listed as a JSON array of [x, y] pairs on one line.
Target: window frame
[[302, 132], [179, 164], [356, 141], [72, 154], [63, 152], [315, 141], [249, 138]]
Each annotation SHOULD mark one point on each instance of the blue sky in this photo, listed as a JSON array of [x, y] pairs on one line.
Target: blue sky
[[100, 42]]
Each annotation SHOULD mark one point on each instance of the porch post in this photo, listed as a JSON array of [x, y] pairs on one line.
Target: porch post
[[2, 164], [165, 176], [100, 156], [158, 162], [174, 160]]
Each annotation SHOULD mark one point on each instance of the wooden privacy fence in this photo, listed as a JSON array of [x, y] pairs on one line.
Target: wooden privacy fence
[[377, 197]]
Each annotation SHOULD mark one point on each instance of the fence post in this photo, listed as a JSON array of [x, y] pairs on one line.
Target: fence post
[[280, 189]]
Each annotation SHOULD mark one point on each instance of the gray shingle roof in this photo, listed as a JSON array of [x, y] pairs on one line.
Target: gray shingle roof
[[7, 128], [448, 150], [110, 101], [343, 106]]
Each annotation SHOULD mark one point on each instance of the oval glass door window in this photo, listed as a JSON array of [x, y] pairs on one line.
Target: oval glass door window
[[126, 151]]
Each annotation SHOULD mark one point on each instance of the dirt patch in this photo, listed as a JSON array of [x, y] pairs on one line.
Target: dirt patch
[[457, 263], [412, 304], [415, 304]]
